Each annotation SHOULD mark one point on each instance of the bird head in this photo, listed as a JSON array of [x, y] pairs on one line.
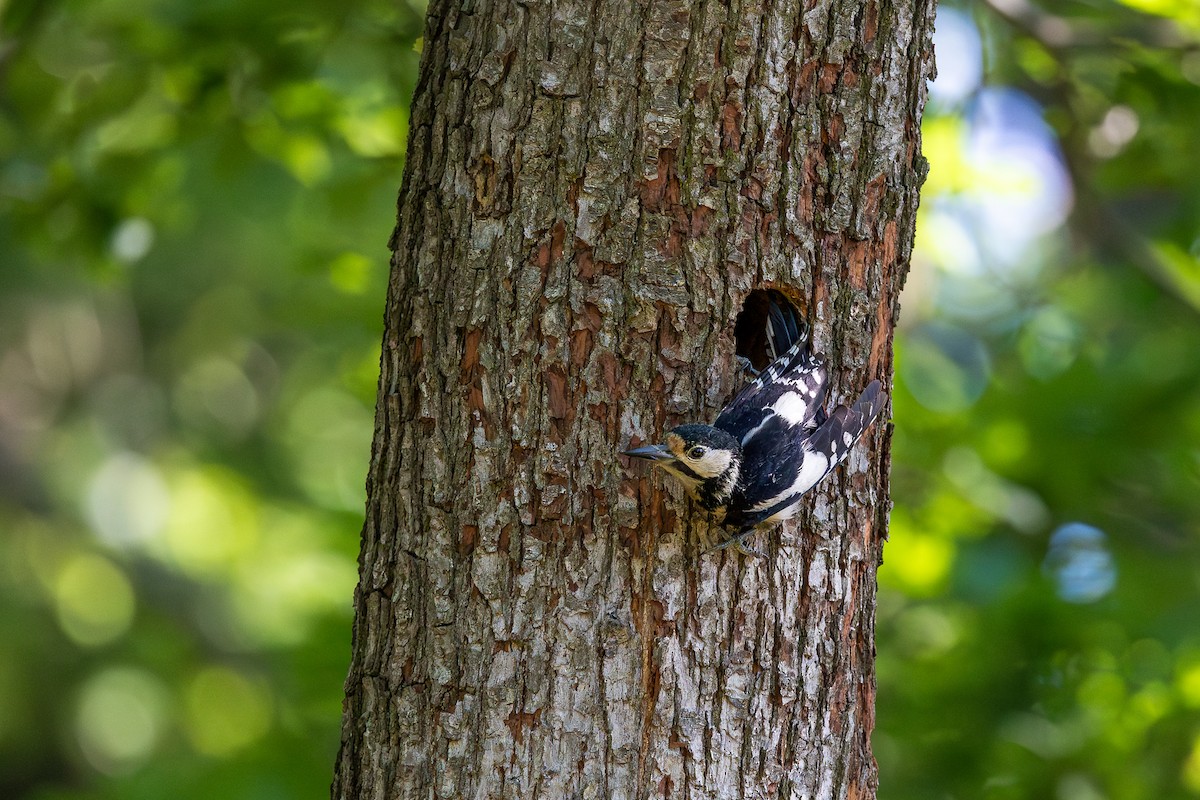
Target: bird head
[[706, 460]]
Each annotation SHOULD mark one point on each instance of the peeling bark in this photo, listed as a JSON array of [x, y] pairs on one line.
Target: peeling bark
[[591, 192]]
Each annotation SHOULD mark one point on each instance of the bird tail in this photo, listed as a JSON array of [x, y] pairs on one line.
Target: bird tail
[[838, 434], [784, 326]]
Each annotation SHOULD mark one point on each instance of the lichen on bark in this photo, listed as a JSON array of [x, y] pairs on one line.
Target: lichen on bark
[[591, 192]]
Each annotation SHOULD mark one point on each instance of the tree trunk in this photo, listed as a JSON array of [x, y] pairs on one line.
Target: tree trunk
[[592, 191]]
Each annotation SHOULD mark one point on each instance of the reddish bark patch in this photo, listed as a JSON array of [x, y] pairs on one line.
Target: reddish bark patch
[[558, 235], [867, 532], [866, 700], [470, 357], [573, 192], [406, 671], [731, 124], [592, 317], [598, 412], [541, 257], [662, 191], [753, 189], [764, 224], [669, 340], [583, 526], [883, 316], [880, 340], [649, 616], [550, 252], [750, 220], [471, 374], [658, 386], [802, 83], [857, 256], [701, 220], [829, 78], [835, 692], [553, 506], [518, 721], [628, 538], [662, 195], [581, 346], [870, 23], [476, 404], [652, 683], [890, 240], [557, 399], [587, 266], [615, 376], [835, 129], [804, 198], [468, 539], [872, 199]]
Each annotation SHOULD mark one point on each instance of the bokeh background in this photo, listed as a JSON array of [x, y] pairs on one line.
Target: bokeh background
[[195, 200]]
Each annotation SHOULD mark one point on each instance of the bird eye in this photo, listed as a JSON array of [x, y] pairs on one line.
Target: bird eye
[[696, 452]]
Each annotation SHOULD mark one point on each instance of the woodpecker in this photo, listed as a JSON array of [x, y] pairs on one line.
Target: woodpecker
[[772, 442]]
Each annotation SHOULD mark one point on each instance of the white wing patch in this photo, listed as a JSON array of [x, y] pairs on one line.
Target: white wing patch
[[792, 407], [812, 469]]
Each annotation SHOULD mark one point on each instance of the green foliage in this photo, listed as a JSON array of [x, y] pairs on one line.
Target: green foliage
[[194, 202], [194, 205], [1037, 628]]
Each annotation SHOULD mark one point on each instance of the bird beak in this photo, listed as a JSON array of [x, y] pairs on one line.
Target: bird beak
[[653, 452]]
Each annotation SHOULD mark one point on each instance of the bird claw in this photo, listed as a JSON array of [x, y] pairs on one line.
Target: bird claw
[[747, 365], [738, 543]]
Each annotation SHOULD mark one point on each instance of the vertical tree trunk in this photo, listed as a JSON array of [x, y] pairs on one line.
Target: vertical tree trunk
[[592, 190]]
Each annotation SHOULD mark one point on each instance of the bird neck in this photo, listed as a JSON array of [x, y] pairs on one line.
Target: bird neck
[[716, 491]]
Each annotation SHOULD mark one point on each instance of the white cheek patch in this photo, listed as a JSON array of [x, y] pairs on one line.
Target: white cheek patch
[[711, 464]]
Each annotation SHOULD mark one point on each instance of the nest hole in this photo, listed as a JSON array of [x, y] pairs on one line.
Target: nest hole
[[750, 328]]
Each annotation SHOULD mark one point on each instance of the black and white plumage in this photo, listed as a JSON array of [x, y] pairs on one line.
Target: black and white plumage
[[772, 443]]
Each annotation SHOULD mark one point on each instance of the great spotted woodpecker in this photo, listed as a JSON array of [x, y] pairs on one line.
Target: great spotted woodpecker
[[772, 443]]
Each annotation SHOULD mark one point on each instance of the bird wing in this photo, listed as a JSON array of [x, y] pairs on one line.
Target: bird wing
[[784, 327], [834, 438], [771, 466], [790, 391], [778, 467]]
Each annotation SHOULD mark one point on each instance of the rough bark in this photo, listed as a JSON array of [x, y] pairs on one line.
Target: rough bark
[[592, 190]]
